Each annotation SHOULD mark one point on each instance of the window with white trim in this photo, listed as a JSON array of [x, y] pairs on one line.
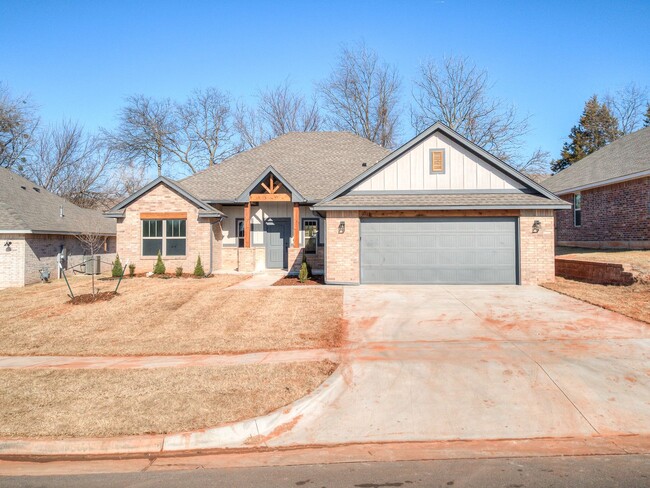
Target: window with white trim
[[577, 209], [169, 237], [310, 229]]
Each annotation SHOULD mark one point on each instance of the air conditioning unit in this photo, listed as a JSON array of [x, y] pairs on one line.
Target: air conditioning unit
[[92, 265]]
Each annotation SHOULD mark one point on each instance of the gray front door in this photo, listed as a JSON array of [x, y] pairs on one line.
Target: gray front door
[[277, 236], [439, 250]]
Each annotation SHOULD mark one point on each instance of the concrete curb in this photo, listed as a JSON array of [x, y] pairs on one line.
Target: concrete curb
[[250, 433]]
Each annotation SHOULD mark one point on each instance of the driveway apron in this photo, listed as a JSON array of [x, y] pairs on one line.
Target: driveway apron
[[482, 362]]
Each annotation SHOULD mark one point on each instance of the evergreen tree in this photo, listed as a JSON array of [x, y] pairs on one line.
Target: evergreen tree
[[597, 128], [198, 269], [117, 270], [646, 120], [159, 267]]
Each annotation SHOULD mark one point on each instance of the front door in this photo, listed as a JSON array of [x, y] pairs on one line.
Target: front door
[[277, 236]]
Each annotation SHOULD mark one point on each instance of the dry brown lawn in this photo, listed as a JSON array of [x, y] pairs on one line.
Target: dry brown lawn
[[636, 259], [632, 301], [176, 316], [101, 403]]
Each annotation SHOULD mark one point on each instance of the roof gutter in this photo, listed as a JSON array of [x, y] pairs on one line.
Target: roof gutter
[[611, 181], [554, 206]]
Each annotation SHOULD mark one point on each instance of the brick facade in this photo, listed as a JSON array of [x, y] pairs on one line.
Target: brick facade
[[316, 261], [199, 232], [537, 249], [612, 216], [20, 263], [342, 252]]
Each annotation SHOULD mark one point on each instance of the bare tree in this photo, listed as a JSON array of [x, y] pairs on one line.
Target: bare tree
[[18, 123], [205, 132], [145, 128], [92, 241], [279, 110], [456, 92], [361, 95], [628, 106], [72, 164], [288, 111]]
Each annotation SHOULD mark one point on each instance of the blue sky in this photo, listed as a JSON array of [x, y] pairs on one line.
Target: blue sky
[[80, 59]]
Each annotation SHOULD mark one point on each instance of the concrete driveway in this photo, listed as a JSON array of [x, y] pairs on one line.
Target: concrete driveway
[[482, 362]]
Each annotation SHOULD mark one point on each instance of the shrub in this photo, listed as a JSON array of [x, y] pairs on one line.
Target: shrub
[[179, 271], [159, 267], [131, 270], [198, 269], [118, 269], [304, 272]]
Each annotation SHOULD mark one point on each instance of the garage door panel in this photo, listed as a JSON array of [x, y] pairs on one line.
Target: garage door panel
[[464, 251]]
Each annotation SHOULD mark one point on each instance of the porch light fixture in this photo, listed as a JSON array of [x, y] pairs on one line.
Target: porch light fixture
[[8, 245], [537, 225], [342, 227]]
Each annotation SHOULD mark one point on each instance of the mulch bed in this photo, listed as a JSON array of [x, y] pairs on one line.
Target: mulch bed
[[165, 276], [294, 281], [103, 296]]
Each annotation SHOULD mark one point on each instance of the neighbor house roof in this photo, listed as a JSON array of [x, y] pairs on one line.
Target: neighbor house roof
[[314, 163], [624, 159], [26, 207], [544, 197], [439, 201]]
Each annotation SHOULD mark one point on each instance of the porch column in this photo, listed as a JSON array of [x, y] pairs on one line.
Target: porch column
[[296, 226], [247, 224]]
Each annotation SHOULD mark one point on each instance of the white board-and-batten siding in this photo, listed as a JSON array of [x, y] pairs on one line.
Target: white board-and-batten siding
[[463, 171]]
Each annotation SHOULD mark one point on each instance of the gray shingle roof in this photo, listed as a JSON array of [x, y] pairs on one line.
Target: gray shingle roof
[[442, 200], [25, 206], [314, 163], [626, 156]]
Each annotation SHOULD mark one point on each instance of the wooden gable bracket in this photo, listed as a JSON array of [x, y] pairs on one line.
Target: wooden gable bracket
[[273, 186]]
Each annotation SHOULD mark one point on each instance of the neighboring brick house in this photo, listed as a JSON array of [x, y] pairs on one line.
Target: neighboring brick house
[[609, 191], [437, 210], [37, 228]]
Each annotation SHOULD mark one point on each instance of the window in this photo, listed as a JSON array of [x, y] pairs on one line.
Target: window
[[310, 228], [239, 232], [437, 160], [172, 233], [577, 209]]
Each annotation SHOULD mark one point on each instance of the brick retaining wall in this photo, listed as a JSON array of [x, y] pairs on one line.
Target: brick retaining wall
[[593, 272]]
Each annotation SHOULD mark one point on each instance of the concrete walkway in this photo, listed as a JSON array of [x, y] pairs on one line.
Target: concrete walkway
[[259, 280], [148, 362]]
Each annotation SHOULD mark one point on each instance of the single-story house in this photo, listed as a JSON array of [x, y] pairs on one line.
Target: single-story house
[[437, 210], [609, 191], [37, 228]]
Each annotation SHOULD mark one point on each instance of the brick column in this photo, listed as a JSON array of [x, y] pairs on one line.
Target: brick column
[[342, 253]]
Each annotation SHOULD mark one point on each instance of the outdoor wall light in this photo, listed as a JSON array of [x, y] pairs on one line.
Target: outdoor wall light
[[342, 227], [8, 245], [537, 225]]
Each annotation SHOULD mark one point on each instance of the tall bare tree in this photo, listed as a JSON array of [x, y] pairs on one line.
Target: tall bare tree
[[18, 123], [628, 105], [361, 95], [457, 93], [72, 164], [144, 131], [205, 133], [279, 110]]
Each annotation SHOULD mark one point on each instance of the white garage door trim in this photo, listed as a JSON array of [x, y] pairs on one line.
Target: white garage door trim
[[450, 250]]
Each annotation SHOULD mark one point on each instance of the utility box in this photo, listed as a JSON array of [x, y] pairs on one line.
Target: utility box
[[92, 265]]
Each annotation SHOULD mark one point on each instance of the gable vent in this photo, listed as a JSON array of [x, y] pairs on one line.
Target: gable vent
[[36, 189]]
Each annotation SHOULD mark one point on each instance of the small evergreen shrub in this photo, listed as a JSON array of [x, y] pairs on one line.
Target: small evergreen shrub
[[159, 267], [304, 272], [179, 272], [118, 269], [198, 269], [131, 270]]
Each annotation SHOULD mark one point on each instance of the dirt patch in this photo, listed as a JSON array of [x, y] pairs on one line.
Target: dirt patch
[[165, 276], [632, 301], [151, 317], [86, 298], [81, 403], [294, 281]]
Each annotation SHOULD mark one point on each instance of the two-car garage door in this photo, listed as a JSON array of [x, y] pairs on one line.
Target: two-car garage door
[[439, 250]]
